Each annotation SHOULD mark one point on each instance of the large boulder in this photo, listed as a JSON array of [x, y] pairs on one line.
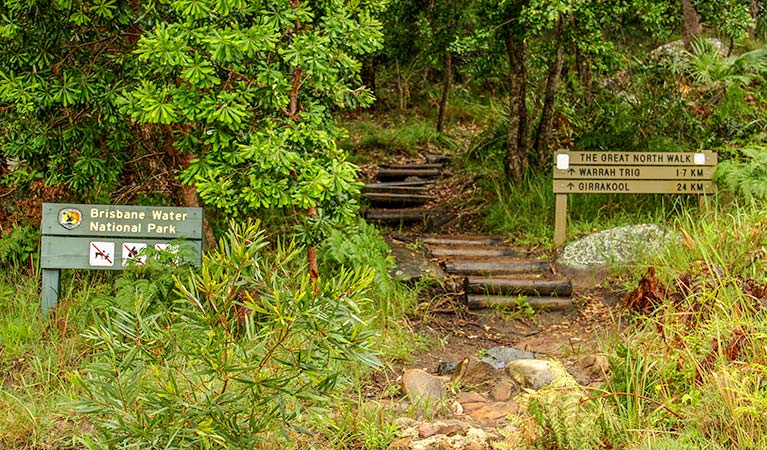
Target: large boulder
[[616, 247]]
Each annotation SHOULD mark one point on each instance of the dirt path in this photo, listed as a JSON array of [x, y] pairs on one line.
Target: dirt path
[[455, 364]]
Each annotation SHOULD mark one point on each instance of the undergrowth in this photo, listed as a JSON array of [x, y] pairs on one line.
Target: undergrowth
[[153, 356]]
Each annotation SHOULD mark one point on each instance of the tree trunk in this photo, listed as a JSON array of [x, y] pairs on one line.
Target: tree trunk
[[368, 75], [516, 153], [754, 15], [543, 137], [583, 66], [692, 27], [188, 192], [445, 90]]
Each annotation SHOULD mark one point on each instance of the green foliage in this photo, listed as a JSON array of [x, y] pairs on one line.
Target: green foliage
[[19, 247], [61, 66], [258, 84], [568, 420], [247, 347], [358, 247], [747, 174]]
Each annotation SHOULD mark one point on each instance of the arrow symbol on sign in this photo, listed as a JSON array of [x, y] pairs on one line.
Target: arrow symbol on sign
[[571, 186], [571, 171]]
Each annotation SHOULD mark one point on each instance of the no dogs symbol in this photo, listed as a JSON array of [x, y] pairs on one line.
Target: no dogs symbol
[[101, 254]]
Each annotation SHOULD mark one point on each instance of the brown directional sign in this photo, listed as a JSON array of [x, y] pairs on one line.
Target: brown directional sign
[[633, 186], [629, 173], [705, 158], [635, 173]]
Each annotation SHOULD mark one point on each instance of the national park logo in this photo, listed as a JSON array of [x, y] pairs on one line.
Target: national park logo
[[70, 218]]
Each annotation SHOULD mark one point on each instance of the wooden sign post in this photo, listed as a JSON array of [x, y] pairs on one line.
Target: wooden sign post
[[628, 173], [110, 237]]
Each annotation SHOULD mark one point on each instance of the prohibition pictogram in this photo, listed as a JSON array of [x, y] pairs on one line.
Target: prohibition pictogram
[[102, 254], [133, 251]]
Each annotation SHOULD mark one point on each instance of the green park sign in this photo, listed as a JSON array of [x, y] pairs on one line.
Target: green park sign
[[111, 237]]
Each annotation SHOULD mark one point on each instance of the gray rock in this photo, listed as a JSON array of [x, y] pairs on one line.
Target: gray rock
[[412, 266], [446, 368], [614, 247], [530, 373], [674, 51], [500, 357], [422, 387]]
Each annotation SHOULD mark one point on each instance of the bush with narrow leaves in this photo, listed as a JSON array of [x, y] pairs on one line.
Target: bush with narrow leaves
[[248, 346]]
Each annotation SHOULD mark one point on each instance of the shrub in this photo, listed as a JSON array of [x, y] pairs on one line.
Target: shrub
[[248, 346]]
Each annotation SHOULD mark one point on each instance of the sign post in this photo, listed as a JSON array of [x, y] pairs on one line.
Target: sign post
[[110, 237], [629, 173]]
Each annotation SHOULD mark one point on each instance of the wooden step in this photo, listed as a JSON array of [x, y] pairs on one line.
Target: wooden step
[[399, 215], [518, 286], [414, 166], [433, 158], [384, 188], [463, 240], [400, 183], [402, 200], [475, 251], [496, 267], [401, 174], [537, 303]]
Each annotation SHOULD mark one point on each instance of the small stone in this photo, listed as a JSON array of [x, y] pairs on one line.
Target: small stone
[[594, 366], [456, 408], [420, 386], [530, 373], [495, 411], [503, 390], [470, 397], [426, 430], [446, 368], [400, 444], [500, 357], [475, 373]]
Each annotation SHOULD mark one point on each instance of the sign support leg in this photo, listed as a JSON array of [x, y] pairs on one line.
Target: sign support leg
[[560, 219], [50, 292]]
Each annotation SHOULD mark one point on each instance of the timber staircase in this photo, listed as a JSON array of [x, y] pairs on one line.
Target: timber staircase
[[496, 274], [401, 192]]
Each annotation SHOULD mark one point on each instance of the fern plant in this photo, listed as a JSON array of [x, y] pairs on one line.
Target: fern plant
[[746, 175]]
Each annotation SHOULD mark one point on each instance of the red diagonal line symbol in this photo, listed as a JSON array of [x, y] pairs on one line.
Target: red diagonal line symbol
[[132, 254], [102, 253]]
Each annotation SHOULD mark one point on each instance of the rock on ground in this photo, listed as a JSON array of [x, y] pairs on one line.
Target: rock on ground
[[472, 372], [616, 246], [422, 387], [500, 357], [412, 266], [530, 373]]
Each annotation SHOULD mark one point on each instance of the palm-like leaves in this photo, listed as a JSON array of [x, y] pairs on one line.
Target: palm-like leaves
[[706, 68]]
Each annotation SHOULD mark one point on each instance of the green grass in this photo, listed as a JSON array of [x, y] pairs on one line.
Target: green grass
[[717, 391]]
